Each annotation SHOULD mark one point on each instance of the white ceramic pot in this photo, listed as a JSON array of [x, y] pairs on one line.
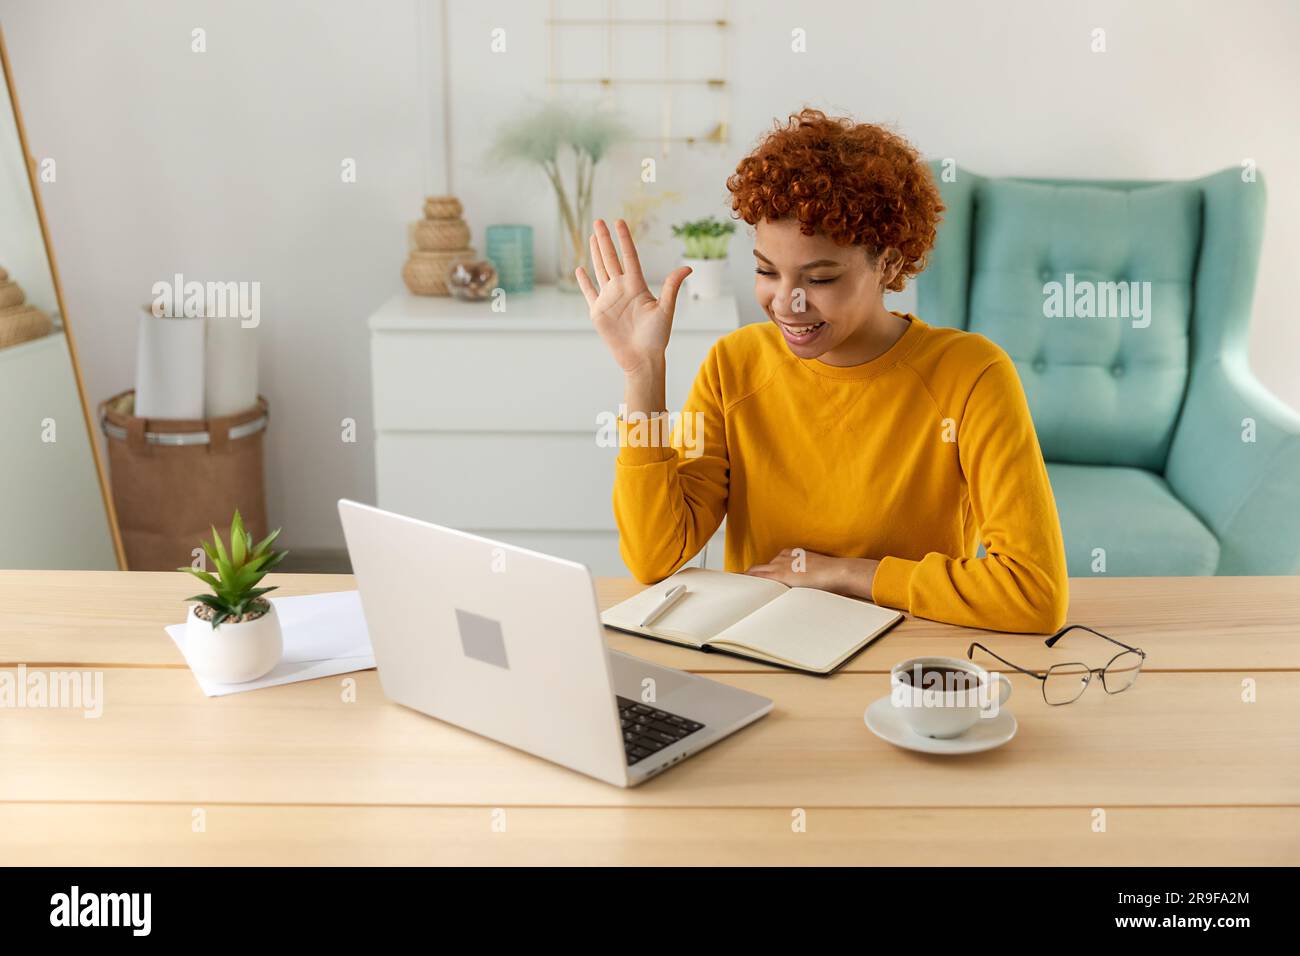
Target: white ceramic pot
[[705, 280], [233, 653]]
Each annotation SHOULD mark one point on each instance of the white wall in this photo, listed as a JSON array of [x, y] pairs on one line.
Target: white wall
[[226, 165]]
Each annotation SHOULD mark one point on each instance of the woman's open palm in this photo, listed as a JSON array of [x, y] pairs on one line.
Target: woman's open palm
[[632, 322]]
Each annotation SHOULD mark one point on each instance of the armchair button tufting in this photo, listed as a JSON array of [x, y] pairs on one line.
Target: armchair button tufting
[[1117, 369], [1045, 274], [1039, 364]]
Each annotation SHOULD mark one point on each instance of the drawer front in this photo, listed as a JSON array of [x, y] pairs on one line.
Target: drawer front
[[550, 493], [498, 481], [550, 381]]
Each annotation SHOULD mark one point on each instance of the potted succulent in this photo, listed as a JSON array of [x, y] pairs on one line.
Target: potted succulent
[[706, 253], [233, 634]]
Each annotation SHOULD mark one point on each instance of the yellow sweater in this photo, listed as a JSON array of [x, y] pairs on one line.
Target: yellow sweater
[[912, 458]]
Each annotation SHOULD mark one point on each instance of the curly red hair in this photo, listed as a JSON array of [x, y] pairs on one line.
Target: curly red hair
[[857, 183]]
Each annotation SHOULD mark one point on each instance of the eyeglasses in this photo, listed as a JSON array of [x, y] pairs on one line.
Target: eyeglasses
[[1065, 683]]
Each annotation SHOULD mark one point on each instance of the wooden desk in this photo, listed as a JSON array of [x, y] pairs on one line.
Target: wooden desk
[[1184, 770]]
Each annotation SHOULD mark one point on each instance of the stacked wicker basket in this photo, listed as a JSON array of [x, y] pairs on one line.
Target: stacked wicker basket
[[19, 321], [441, 240]]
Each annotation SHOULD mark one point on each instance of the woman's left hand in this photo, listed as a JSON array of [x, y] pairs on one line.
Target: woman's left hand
[[799, 568]]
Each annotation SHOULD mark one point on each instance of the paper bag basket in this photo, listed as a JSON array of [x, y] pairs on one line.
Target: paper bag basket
[[173, 479]]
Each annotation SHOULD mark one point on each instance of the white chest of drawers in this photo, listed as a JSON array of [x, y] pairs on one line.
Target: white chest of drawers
[[487, 421]]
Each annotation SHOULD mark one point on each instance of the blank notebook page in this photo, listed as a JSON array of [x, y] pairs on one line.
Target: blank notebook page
[[713, 600], [809, 627]]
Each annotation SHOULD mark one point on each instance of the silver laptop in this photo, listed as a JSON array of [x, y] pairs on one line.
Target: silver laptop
[[508, 643]]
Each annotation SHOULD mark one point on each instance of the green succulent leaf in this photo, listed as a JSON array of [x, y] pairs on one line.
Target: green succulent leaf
[[238, 540], [203, 576], [250, 602], [211, 601], [225, 569], [257, 563], [239, 585], [276, 558], [221, 548], [265, 543]]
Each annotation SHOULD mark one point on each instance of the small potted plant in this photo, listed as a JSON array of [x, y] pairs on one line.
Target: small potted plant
[[706, 253], [233, 634]]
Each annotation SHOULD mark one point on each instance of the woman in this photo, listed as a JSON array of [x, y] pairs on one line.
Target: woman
[[851, 448]]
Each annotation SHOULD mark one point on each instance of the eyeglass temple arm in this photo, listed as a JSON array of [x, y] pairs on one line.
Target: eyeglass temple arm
[[1051, 641], [970, 652]]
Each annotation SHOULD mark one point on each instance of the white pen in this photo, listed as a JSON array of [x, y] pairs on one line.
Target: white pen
[[672, 597]]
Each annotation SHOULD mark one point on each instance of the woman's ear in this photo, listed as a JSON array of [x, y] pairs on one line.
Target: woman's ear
[[890, 263]]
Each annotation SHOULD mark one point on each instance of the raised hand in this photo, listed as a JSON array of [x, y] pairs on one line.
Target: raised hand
[[632, 322]]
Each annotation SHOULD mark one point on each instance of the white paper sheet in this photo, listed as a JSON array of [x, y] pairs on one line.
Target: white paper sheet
[[169, 367], [322, 626], [229, 368], [324, 635]]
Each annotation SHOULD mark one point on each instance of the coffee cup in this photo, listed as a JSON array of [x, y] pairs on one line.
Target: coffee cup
[[943, 697]]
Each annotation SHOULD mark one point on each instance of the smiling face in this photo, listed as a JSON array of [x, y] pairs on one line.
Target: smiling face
[[826, 299]]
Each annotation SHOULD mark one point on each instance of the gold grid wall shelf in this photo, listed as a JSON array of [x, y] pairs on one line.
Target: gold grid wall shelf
[[640, 56]]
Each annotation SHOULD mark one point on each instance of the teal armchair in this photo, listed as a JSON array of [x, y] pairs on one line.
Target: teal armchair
[[1166, 456]]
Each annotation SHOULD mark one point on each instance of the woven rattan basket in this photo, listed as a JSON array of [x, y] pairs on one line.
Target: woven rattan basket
[[22, 323], [442, 207], [441, 235], [425, 273], [11, 293]]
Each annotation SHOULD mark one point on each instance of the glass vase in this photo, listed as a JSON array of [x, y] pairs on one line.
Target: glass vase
[[573, 228]]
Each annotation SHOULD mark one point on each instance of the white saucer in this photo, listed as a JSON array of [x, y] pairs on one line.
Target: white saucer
[[887, 724]]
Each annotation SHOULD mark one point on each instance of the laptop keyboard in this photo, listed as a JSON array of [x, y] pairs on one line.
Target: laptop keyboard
[[648, 730]]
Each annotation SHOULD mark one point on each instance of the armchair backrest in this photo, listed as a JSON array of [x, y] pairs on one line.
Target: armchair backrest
[[1104, 293]]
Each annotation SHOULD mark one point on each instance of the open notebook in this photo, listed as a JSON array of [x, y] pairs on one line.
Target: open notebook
[[800, 628]]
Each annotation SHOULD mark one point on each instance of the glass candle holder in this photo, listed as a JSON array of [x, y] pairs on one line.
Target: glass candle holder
[[510, 248]]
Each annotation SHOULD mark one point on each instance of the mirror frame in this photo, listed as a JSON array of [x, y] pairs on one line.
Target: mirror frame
[[29, 161]]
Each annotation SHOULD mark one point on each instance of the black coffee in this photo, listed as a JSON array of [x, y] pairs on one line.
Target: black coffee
[[941, 678]]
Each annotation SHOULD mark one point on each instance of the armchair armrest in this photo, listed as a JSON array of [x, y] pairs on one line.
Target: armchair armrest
[[1246, 492]]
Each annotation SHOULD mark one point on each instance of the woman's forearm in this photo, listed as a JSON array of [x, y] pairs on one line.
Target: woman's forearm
[[644, 391]]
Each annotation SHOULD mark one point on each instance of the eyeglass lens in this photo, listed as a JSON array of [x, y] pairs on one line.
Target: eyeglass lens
[[1121, 672], [1065, 682]]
